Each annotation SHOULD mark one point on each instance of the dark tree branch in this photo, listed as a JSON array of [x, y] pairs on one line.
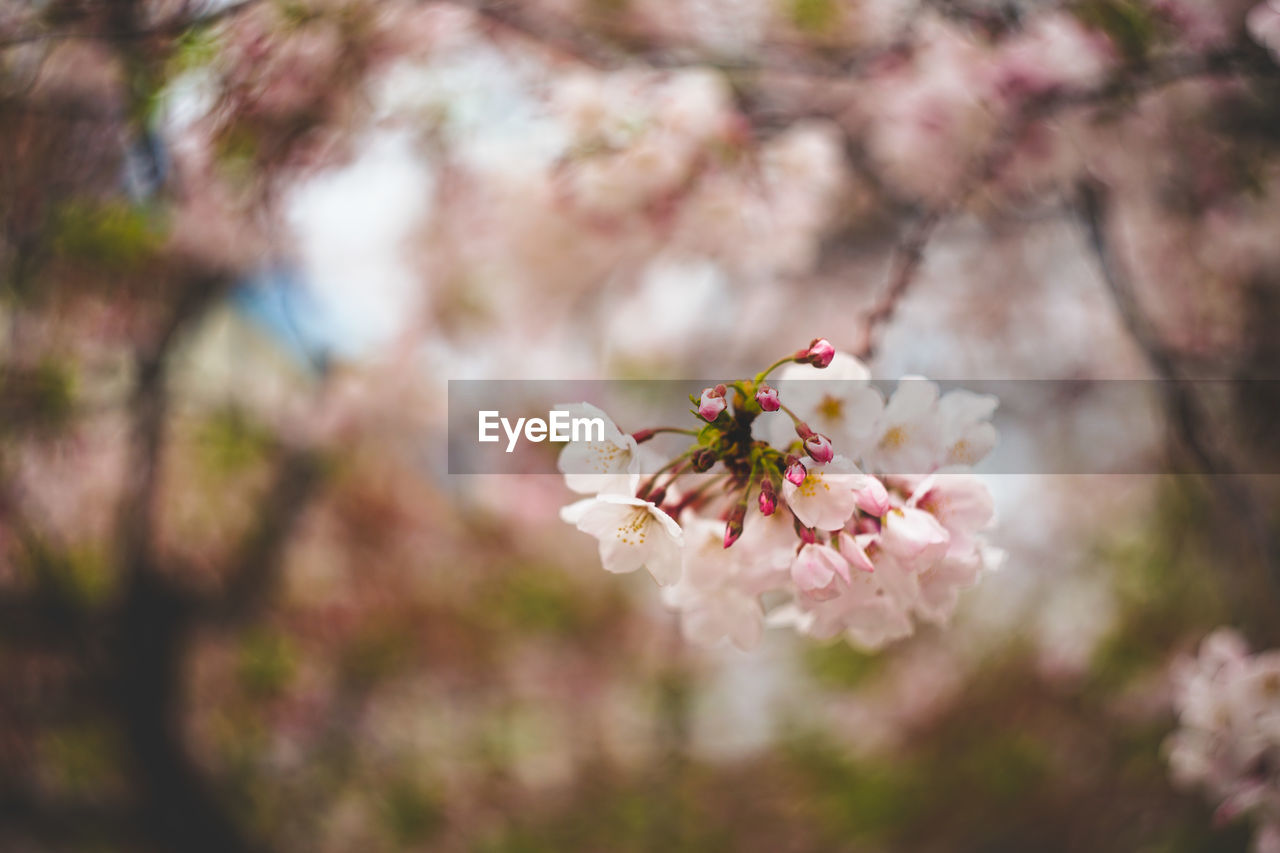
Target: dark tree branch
[[129, 31], [257, 571], [27, 816], [180, 811], [1237, 504], [149, 407], [908, 253], [154, 621], [905, 261], [1184, 410], [619, 49]]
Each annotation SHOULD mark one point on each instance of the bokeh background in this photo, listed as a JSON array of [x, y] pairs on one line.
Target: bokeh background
[[245, 245]]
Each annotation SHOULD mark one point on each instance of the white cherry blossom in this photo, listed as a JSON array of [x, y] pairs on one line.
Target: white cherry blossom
[[816, 571], [1263, 24], [908, 436], [713, 596], [966, 434], [841, 553], [914, 535], [608, 465], [1228, 704], [827, 496], [837, 401], [633, 534]]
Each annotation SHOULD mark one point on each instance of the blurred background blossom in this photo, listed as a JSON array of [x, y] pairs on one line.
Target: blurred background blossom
[[245, 243]]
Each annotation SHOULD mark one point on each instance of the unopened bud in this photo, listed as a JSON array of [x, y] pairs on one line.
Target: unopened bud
[[768, 498], [819, 353], [796, 472], [712, 403], [805, 533], [768, 399], [819, 448], [703, 460], [872, 498], [733, 527]]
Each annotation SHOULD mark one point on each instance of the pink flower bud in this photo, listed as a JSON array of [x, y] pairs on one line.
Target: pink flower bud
[[805, 533], [820, 353], [796, 472], [712, 403], [873, 499], [768, 399], [733, 528], [768, 498], [819, 448], [703, 460]]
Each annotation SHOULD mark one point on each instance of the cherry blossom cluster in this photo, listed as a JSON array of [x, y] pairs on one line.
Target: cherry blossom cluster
[[816, 505], [1228, 743]]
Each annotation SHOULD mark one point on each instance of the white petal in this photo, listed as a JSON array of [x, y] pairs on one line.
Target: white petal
[[915, 535], [664, 557], [961, 503], [877, 625], [573, 513], [827, 497], [746, 621]]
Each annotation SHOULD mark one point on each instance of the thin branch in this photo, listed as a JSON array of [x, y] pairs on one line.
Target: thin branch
[[36, 816], [907, 256], [624, 48], [257, 570], [176, 25], [908, 252], [150, 408], [1183, 409]]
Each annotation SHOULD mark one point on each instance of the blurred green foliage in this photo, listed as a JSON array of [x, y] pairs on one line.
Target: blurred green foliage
[[658, 811], [540, 599], [40, 398], [1130, 25], [814, 16], [81, 574], [81, 757], [197, 47], [412, 812], [839, 665], [1166, 583], [231, 443], [869, 800], [114, 235], [267, 662], [376, 652]]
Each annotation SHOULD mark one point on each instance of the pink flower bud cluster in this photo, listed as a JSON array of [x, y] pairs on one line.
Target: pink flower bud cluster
[[764, 507]]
